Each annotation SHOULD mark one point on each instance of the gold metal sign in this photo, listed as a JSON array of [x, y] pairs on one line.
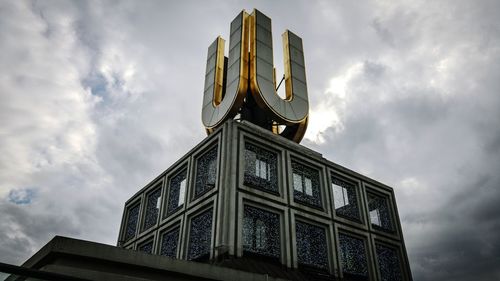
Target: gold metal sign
[[245, 82]]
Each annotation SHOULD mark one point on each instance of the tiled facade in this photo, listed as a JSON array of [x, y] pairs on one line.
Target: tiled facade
[[246, 192]]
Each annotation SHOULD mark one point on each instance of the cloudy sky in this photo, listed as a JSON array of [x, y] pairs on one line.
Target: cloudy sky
[[99, 97]]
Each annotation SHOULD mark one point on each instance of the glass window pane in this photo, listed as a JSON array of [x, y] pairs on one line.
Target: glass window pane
[[200, 234], [169, 242], [182, 192], [297, 182], [152, 208], [312, 247], [261, 232], [211, 172], [206, 172], [380, 215], [338, 196], [353, 256], [306, 185], [345, 199], [388, 263], [176, 192], [375, 217], [132, 219], [261, 168]]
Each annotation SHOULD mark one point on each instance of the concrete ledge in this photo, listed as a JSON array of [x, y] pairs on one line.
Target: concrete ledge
[[97, 261]]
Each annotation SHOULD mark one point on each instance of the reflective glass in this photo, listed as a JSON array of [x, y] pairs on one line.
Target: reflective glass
[[380, 216], [306, 185], [345, 199]]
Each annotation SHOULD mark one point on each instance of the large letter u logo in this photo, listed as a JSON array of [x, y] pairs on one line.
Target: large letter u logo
[[249, 70], [294, 109]]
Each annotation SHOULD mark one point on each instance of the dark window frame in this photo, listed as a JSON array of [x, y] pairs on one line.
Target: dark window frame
[[390, 212], [136, 203], [358, 193], [157, 186], [261, 254], [193, 216], [144, 242], [366, 246], [302, 197], [398, 253], [176, 226], [167, 212], [206, 181], [256, 181], [327, 242]]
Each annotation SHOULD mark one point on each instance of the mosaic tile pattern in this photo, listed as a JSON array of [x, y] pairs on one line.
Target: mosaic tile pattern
[[146, 247], [312, 247], [169, 242], [388, 263], [206, 172], [176, 192], [132, 220], [200, 235], [261, 232], [353, 255], [153, 201], [261, 168]]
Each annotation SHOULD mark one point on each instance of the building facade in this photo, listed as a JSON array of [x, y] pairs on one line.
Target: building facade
[[246, 194]]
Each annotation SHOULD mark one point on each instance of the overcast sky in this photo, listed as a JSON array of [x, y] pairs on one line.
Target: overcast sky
[[99, 97]]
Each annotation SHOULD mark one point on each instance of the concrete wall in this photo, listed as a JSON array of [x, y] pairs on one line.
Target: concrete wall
[[230, 194]]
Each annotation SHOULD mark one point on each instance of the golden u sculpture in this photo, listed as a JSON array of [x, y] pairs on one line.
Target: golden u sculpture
[[245, 81]]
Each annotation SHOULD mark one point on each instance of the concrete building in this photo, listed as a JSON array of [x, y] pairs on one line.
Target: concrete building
[[246, 198]]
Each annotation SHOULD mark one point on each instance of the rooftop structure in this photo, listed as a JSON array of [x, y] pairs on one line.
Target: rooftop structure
[[246, 198]]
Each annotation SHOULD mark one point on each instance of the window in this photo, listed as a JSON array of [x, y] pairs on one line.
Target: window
[[169, 242], [261, 168], [152, 208], [146, 247], [206, 172], [132, 219], [345, 199], [388, 263], [353, 257], [312, 249], [176, 192], [380, 215], [306, 187], [261, 232], [200, 234]]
